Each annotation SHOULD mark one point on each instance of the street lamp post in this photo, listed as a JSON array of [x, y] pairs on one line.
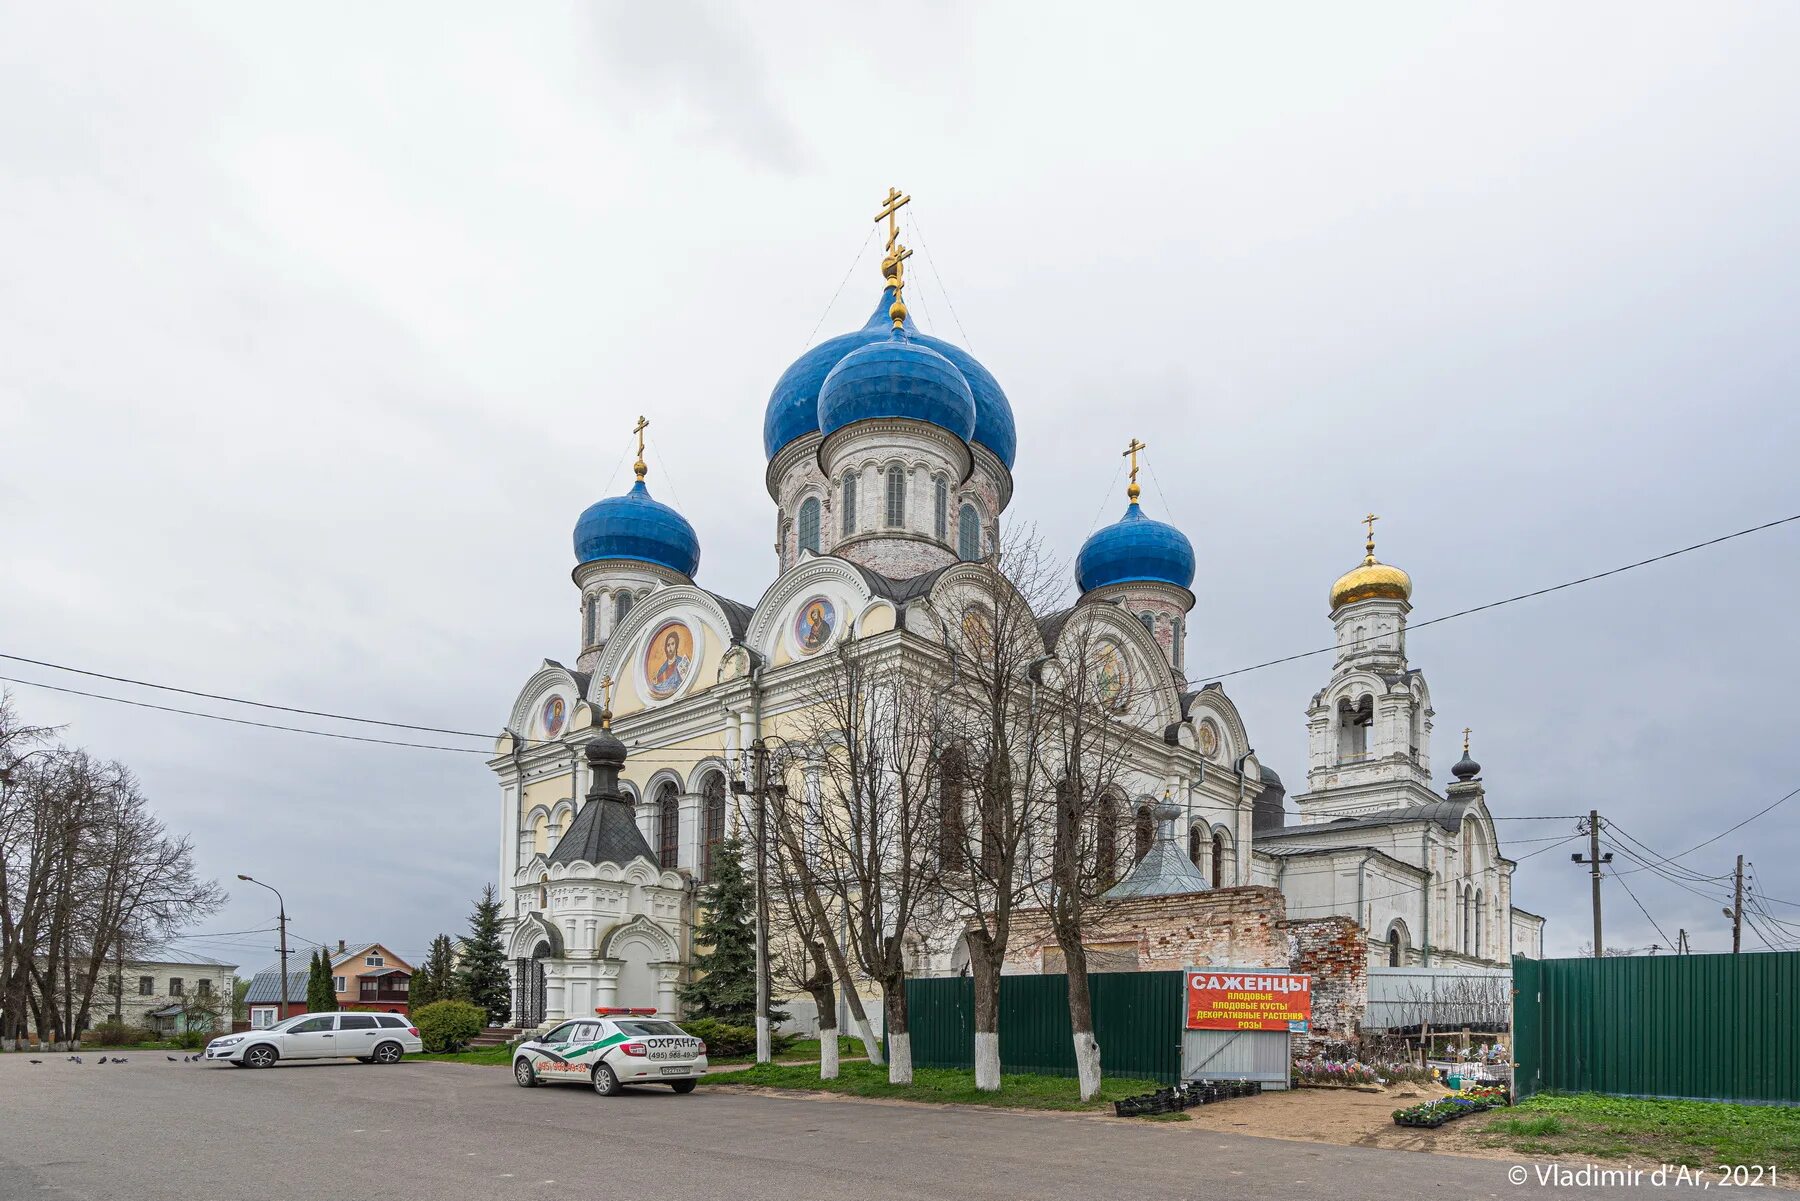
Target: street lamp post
[[282, 921], [759, 786]]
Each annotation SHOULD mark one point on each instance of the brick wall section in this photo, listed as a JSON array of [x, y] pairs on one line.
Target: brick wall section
[[1229, 927], [1332, 951]]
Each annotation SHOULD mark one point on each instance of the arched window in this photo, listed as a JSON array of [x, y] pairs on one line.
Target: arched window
[[590, 621], [1175, 640], [621, 607], [849, 526], [809, 524], [1475, 940], [940, 508], [543, 892], [968, 534], [896, 496], [953, 820], [1396, 945], [668, 828], [1195, 841], [1106, 841], [1143, 830], [1148, 621], [1218, 859], [712, 818], [1353, 728]]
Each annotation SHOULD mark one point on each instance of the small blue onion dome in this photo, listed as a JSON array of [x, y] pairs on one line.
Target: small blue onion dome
[[1134, 549], [897, 377], [634, 526], [793, 409]]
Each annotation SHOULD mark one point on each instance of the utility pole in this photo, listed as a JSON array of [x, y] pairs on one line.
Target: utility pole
[[280, 1013], [757, 789], [1681, 945], [1594, 861], [1737, 910]]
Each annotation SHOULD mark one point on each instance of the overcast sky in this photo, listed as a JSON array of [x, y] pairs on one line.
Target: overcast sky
[[319, 326]]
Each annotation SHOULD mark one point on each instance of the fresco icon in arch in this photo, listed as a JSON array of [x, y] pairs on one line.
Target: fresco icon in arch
[[1111, 682], [556, 711], [814, 623], [668, 659]]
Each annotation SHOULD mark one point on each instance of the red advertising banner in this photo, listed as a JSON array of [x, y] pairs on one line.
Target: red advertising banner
[[1235, 999]]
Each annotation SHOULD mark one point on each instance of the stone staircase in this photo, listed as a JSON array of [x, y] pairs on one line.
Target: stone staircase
[[496, 1036]]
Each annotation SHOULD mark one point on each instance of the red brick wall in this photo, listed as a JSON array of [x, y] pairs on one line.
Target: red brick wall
[[1230, 927]]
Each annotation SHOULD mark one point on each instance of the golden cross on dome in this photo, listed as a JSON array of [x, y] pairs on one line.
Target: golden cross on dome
[[1466, 733], [638, 429], [895, 256], [606, 683], [1131, 452], [1369, 547]]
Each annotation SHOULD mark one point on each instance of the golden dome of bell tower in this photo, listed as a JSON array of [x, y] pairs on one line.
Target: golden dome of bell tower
[[1370, 579]]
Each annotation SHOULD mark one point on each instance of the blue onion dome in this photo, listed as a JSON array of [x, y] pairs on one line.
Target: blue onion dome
[[897, 377], [634, 526], [793, 410], [1135, 549]]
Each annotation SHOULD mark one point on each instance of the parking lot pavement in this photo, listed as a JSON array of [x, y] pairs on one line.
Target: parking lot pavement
[[151, 1130]]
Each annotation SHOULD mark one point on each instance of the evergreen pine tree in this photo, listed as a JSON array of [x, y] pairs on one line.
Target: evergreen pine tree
[[484, 980], [436, 979], [320, 996], [725, 942], [446, 978]]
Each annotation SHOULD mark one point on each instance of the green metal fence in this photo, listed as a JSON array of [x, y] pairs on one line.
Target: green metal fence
[[1137, 1021], [1707, 1027]]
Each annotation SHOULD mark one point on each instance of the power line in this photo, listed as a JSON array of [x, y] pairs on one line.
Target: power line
[[235, 700], [240, 721], [1640, 905], [1523, 596]]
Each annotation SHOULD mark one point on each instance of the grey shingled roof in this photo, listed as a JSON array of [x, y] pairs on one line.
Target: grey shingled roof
[[1164, 871], [736, 612], [1448, 814], [605, 831]]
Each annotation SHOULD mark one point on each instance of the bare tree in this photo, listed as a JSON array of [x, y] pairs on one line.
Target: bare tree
[[805, 885], [874, 724], [1082, 696], [799, 953], [86, 871], [993, 787]]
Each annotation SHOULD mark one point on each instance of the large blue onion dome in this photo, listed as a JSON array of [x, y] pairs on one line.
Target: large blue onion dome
[[794, 404], [635, 526], [897, 377], [1135, 549]]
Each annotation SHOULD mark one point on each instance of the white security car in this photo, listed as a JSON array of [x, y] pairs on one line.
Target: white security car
[[370, 1037], [614, 1047]]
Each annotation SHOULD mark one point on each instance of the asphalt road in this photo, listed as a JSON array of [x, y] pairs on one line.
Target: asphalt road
[[151, 1130]]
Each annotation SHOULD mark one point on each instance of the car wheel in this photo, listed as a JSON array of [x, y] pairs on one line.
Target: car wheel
[[524, 1073], [389, 1052], [605, 1083], [683, 1086], [262, 1055]]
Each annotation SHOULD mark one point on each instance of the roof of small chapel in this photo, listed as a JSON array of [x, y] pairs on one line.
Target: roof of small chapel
[[1164, 871]]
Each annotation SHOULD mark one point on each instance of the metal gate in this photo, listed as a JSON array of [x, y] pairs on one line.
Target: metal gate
[[1262, 1055]]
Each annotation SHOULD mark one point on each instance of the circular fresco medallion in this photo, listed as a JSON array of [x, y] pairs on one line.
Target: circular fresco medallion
[[556, 711], [668, 659], [813, 624], [1209, 739], [1111, 679]]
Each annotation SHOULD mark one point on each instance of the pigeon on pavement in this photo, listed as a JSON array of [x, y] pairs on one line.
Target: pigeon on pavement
[[37, 1061], [170, 1058], [102, 1059]]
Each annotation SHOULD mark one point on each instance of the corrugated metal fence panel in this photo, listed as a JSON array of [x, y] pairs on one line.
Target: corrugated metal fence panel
[[1137, 1021], [1711, 1027], [941, 1018]]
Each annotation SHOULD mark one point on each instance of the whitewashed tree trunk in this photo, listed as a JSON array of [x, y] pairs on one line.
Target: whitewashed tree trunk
[[828, 1053], [987, 1062], [764, 1044], [900, 1069], [1087, 1064]]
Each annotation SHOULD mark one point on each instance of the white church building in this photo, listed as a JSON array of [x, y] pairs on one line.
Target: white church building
[[890, 456]]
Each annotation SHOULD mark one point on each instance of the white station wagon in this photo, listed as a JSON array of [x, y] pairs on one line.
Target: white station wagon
[[370, 1037], [615, 1047]]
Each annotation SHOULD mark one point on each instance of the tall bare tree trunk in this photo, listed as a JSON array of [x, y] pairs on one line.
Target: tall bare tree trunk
[[899, 1030], [985, 969]]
